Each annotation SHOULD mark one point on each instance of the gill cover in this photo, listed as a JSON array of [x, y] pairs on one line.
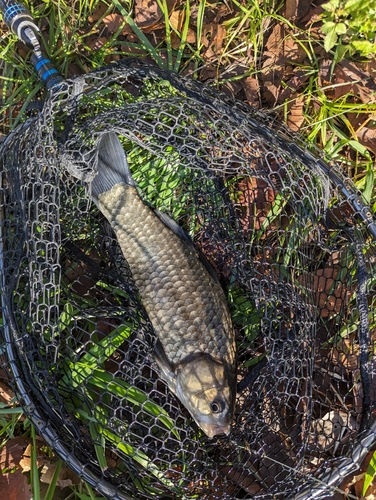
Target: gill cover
[[204, 386]]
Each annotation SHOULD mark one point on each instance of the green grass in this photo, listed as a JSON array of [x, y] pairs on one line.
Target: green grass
[[67, 31]]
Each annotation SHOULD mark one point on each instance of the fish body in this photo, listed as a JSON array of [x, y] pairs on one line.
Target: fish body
[[195, 350]]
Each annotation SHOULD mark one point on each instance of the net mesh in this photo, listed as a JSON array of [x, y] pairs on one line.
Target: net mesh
[[293, 246]]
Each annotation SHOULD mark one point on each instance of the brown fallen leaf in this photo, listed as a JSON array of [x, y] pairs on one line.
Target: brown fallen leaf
[[113, 22], [328, 295], [25, 462], [212, 39], [148, 16], [295, 118], [66, 475], [254, 200], [96, 43], [348, 78], [176, 40], [313, 16], [12, 452], [368, 67], [98, 12], [222, 9], [13, 486], [334, 428], [177, 18], [251, 88], [291, 86], [208, 72], [270, 92], [367, 137], [6, 393], [273, 52], [295, 9], [346, 354], [293, 52]]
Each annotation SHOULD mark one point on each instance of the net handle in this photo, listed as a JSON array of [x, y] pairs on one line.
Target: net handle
[[20, 22]]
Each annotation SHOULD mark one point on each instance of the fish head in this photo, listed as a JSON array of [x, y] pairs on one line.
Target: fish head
[[206, 387]]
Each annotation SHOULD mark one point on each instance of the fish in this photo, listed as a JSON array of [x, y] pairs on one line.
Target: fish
[[195, 346]]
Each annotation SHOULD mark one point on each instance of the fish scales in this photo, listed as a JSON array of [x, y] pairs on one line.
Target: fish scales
[[186, 306], [195, 350]]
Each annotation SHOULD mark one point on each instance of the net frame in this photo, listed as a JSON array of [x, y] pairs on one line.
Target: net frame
[[65, 137]]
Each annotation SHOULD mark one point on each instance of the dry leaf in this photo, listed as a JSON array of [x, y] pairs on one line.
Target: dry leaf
[[274, 46], [291, 86], [208, 72], [368, 67], [212, 38], [292, 51], [148, 16], [313, 16], [177, 19], [349, 78], [324, 72], [295, 117], [176, 40], [13, 486], [295, 9], [254, 199], [98, 12], [191, 36], [12, 452], [367, 137], [66, 475], [6, 393], [95, 43], [251, 88], [336, 427], [291, 9], [270, 93], [25, 462], [321, 285], [222, 10], [113, 22]]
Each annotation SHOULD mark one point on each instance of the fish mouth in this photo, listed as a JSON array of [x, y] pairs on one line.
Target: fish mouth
[[212, 430]]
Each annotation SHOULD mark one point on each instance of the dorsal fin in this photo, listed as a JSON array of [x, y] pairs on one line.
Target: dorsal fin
[[179, 231]]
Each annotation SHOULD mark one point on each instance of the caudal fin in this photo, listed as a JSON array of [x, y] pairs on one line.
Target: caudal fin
[[112, 166]]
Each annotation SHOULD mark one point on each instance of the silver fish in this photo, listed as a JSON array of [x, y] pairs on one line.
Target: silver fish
[[195, 350]]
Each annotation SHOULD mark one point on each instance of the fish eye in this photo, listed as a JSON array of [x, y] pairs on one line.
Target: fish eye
[[217, 406]]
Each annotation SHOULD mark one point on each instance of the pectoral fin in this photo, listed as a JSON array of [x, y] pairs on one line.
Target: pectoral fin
[[167, 370]]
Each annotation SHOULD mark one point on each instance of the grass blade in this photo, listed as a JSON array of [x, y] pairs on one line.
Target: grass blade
[[145, 42], [370, 474], [52, 486], [34, 473]]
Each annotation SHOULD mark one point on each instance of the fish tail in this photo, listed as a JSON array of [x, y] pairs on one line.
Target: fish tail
[[112, 166]]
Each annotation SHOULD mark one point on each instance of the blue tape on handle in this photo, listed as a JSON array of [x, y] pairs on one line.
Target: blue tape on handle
[[43, 61], [12, 11], [48, 74]]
